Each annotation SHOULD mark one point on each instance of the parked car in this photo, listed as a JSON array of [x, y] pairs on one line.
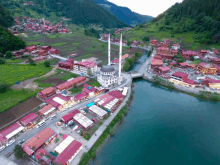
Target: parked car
[[10, 142], [2, 148], [21, 141], [52, 117], [95, 121], [75, 127], [78, 131]]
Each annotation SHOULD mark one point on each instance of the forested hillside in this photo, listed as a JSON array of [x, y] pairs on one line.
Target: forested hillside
[[78, 11], [124, 13], [7, 40], [200, 17]]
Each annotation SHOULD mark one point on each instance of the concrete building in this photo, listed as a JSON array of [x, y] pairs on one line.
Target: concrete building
[[84, 65], [179, 76], [206, 68]]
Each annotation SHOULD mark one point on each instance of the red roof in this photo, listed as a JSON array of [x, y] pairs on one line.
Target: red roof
[[40, 153], [45, 108], [190, 52], [80, 96], [211, 80], [29, 118], [116, 94], [180, 74], [184, 64], [68, 153], [163, 48], [70, 83], [188, 81], [54, 103], [156, 62], [47, 90], [164, 69], [106, 98], [205, 65], [218, 67], [86, 64], [10, 129], [70, 115], [38, 140]]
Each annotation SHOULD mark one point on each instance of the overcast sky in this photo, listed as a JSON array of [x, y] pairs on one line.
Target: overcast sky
[[146, 7]]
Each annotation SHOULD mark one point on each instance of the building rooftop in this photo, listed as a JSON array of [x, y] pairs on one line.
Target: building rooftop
[[86, 64], [179, 74], [83, 120], [116, 94], [29, 118], [38, 140], [165, 68], [11, 131], [97, 110], [107, 68], [70, 115]]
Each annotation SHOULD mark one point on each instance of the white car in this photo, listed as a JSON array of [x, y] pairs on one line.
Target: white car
[[10, 142], [2, 148]]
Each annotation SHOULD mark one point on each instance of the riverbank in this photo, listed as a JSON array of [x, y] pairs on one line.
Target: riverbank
[[205, 95], [109, 131]]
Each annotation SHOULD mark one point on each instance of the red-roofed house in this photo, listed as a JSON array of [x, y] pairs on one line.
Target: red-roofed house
[[81, 96], [42, 138], [164, 70], [179, 76], [124, 56], [203, 52], [212, 83], [83, 66], [69, 153], [166, 56], [216, 52], [157, 56], [44, 94], [54, 51], [156, 63], [42, 52], [116, 94], [105, 99], [46, 110], [46, 48], [184, 64], [69, 116], [69, 84], [153, 42], [163, 50], [218, 68], [188, 54], [29, 120], [206, 68], [174, 52], [10, 132], [59, 101], [41, 155]]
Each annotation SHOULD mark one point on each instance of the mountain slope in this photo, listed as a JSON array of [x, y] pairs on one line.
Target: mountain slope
[[124, 13], [202, 18], [79, 11], [7, 40]]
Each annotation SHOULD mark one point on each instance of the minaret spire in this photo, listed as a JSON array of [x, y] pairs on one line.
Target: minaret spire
[[120, 54], [109, 50]]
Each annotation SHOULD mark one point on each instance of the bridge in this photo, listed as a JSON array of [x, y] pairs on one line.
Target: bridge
[[136, 75], [59, 57]]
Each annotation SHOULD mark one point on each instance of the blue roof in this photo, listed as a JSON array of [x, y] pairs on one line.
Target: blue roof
[[90, 104]]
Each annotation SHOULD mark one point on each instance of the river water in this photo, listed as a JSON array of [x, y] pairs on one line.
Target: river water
[[165, 127]]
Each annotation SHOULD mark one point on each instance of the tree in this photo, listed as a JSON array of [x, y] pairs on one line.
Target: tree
[[8, 54], [111, 132], [1, 55], [31, 62], [19, 153], [137, 54], [146, 39], [129, 43], [2, 61], [89, 72], [3, 87], [47, 64], [192, 58]]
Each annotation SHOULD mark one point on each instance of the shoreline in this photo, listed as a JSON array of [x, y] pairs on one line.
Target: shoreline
[[204, 95]]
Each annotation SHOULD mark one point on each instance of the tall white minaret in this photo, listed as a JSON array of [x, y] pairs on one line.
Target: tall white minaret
[[109, 50], [120, 54]]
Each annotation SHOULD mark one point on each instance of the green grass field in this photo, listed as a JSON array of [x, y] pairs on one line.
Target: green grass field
[[196, 62], [11, 73], [14, 97], [16, 60]]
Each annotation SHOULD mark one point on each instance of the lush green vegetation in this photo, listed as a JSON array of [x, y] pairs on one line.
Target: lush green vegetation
[[8, 41], [11, 73], [79, 12], [196, 62], [12, 97], [19, 153], [130, 61], [92, 33], [58, 44]]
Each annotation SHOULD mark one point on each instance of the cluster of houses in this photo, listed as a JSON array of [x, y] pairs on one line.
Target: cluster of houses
[[209, 64], [119, 31], [40, 26]]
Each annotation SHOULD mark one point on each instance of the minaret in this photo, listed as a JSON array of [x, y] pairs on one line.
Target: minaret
[[120, 54], [109, 50]]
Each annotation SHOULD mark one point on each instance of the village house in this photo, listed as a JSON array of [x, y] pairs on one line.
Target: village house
[[42, 52], [162, 70], [188, 54], [69, 116], [47, 93], [203, 52], [60, 101], [211, 83], [46, 110], [97, 111], [43, 157], [156, 63], [54, 51], [176, 47], [84, 65], [69, 84], [179, 76], [83, 121], [66, 65], [174, 52], [30, 120], [206, 68], [46, 48], [183, 65], [153, 42], [163, 50], [166, 56], [39, 140]]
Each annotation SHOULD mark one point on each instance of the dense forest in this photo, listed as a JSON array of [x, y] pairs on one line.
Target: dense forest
[[7, 40], [199, 16], [124, 13], [79, 11]]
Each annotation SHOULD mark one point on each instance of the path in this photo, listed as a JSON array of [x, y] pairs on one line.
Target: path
[[29, 83]]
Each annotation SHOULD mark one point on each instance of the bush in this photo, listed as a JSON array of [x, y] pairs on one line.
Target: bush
[[31, 62], [24, 56], [8, 54], [19, 153], [146, 39], [2, 61], [3, 87], [47, 64]]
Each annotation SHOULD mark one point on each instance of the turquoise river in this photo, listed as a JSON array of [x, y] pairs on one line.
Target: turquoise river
[[165, 127]]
